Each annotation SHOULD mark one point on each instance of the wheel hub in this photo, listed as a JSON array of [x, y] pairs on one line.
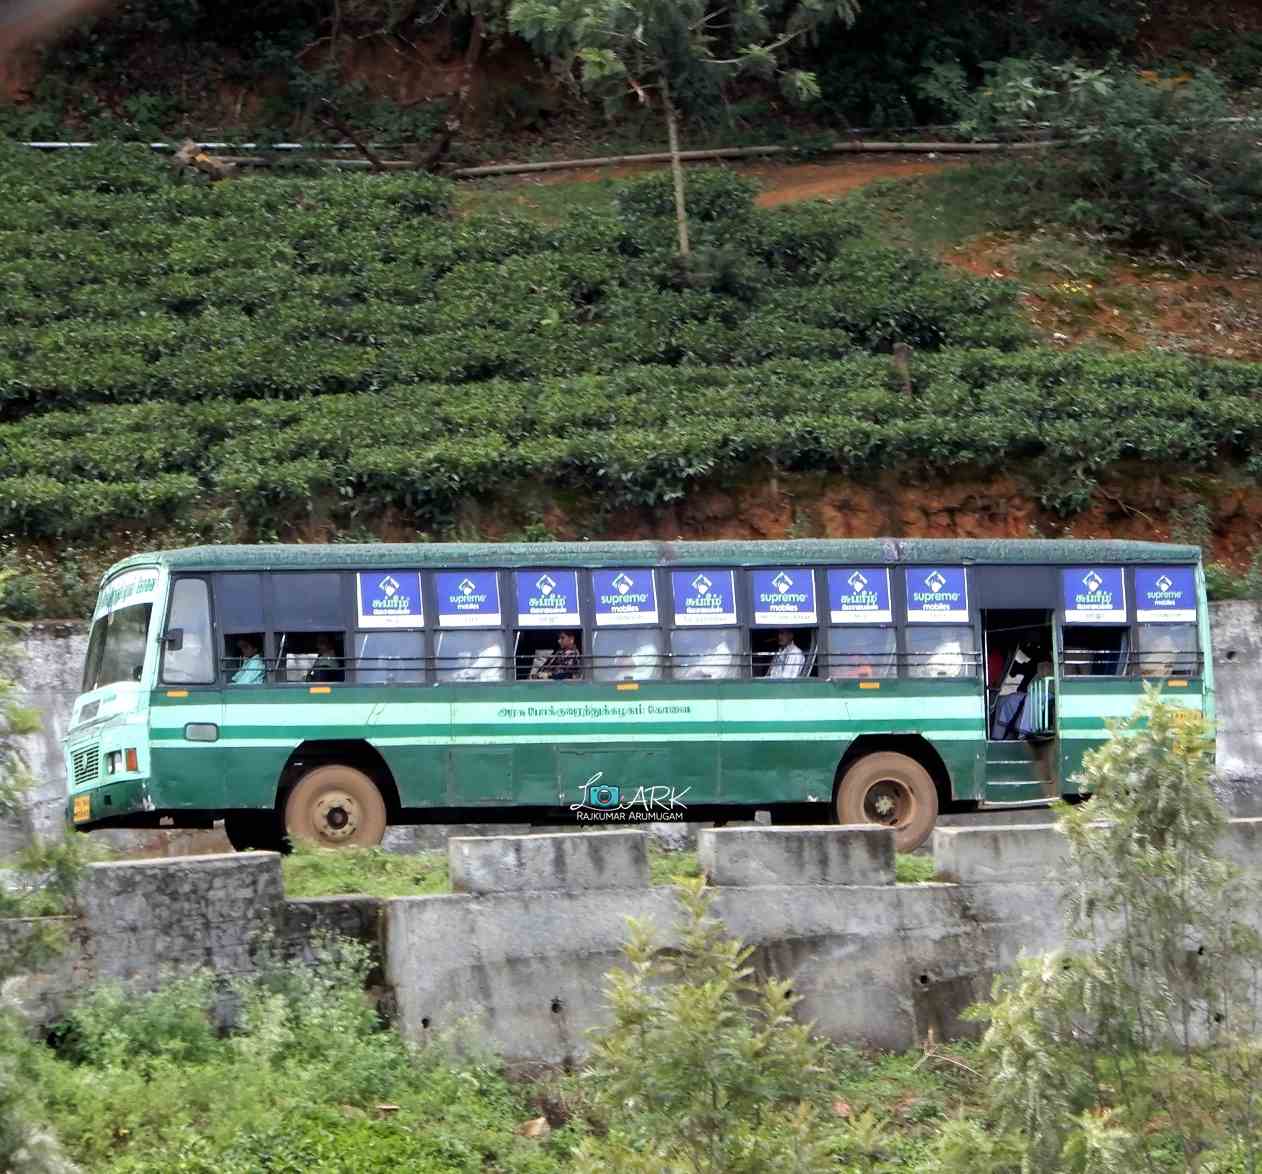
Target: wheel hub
[[337, 815], [888, 802]]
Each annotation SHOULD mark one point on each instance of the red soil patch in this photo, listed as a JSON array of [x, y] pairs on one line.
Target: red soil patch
[[816, 181], [1132, 307]]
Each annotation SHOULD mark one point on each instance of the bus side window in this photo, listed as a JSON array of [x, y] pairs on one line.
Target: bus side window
[[1091, 651], [700, 654], [1168, 650], [793, 658], [389, 658], [549, 654], [193, 663], [243, 662], [861, 652], [940, 650], [464, 655], [626, 654], [311, 656]]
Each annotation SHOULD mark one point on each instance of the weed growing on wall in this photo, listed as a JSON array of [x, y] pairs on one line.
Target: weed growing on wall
[[1137, 1047]]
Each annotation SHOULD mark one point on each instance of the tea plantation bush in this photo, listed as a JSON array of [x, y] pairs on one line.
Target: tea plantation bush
[[641, 437], [124, 286], [277, 348]]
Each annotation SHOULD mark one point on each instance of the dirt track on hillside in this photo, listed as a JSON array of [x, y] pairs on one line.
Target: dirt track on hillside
[[784, 183], [815, 181]]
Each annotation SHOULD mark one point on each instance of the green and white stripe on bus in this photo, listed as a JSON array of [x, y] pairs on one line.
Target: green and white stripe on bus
[[397, 722]]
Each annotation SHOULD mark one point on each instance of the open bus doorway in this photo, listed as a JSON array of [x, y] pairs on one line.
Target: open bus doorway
[[1018, 645]]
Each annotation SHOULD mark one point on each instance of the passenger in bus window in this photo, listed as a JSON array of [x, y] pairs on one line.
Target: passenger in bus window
[[327, 665], [789, 660], [252, 671], [561, 665]]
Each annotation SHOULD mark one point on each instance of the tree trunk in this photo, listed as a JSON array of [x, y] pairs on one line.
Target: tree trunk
[[676, 168], [477, 39]]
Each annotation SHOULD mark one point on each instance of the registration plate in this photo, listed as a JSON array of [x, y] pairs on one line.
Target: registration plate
[[82, 808]]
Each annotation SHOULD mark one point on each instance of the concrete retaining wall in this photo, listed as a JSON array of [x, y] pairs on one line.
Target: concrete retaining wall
[[521, 954], [875, 963], [143, 920]]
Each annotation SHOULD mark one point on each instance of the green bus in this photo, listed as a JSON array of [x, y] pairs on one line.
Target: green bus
[[327, 692]]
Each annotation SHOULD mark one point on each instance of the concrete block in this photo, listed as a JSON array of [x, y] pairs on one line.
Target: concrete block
[[862, 854], [575, 861], [1236, 638], [150, 916], [524, 972], [1003, 853]]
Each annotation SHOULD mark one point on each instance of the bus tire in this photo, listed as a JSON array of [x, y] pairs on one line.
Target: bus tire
[[336, 807], [893, 790]]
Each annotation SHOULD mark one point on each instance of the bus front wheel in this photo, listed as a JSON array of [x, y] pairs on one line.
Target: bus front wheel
[[892, 790], [336, 807]]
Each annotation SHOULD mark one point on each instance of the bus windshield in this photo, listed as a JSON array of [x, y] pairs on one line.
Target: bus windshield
[[116, 649]]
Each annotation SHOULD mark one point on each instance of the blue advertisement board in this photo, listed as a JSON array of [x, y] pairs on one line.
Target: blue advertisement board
[[859, 595], [784, 595], [704, 597], [1165, 595], [937, 595], [468, 599], [1093, 595], [389, 599], [624, 596], [547, 599]]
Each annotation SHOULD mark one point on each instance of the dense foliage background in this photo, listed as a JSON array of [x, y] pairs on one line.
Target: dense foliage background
[[110, 76]]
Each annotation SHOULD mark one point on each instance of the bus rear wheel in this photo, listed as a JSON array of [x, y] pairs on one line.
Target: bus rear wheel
[[892, 790], [336, 807]]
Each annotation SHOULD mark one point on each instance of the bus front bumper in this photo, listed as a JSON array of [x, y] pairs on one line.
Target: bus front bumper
[[87, 809]]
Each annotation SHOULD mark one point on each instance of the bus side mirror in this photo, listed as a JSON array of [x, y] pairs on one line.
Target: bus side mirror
[[174, 639]]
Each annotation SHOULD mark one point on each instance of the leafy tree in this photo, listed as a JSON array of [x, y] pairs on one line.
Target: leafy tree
[[621, 47], [1137, 1046], [703, 1070]]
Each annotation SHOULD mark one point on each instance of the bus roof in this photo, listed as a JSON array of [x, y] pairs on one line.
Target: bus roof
[[315, 557]]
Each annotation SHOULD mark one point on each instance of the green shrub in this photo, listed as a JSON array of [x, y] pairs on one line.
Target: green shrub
[[715, 195], [298, 1081], [703, 1070], [1156, 165]]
